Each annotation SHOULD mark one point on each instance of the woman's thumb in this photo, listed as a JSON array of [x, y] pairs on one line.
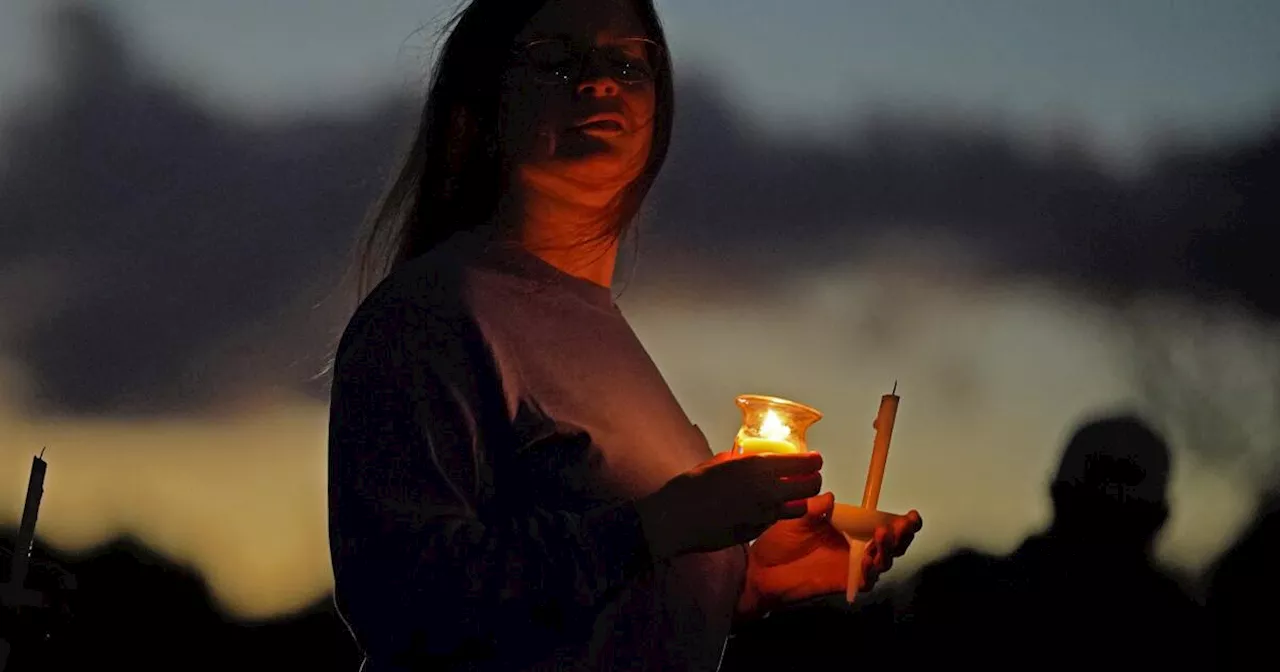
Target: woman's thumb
[[720, 457], [820, 507]]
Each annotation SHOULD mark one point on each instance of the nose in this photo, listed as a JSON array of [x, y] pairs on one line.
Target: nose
[[595, 81], [597, 86]]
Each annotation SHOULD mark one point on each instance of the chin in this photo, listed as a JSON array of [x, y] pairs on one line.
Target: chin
[[612, 164], [600, 167], [603, 171]]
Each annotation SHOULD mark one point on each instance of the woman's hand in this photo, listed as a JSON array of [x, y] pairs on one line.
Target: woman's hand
[[795, 560], [798, 559], [888, 542], [727, 500]]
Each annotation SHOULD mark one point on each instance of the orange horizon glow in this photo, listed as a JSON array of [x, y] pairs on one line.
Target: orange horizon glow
[[998, 379]]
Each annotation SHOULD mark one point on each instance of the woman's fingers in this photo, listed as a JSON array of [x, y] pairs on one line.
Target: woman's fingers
[[870, 573], [800, 487], [794, 509], [721, 457], [786, 466], [902, 541], [782, 485], [883, 538], [883, 561], [908, 524], [887, 542], [904, 532], [820, 507], [782, 478], [882, 549]]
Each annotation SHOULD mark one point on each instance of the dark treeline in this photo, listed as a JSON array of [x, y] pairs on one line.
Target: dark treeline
[[124, 606], [1084, 591]]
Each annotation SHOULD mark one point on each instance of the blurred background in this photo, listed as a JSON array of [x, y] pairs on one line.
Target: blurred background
[[1024, 212]]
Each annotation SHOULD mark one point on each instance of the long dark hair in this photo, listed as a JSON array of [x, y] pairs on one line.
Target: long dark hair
[[454, 175]]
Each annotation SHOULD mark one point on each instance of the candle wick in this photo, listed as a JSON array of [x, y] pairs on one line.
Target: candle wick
[[42, 449], [895, 387]]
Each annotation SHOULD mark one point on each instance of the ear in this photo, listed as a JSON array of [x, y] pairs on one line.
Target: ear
[[462, 134]]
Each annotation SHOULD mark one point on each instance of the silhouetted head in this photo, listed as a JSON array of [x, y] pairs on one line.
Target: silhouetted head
[[1111, 486], [568, 99]]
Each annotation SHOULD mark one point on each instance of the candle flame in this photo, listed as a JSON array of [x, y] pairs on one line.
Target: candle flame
[[773, 428]]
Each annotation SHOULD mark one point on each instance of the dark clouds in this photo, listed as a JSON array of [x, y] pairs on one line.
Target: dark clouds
[[188, 249], [1193, 222], [178, 228]]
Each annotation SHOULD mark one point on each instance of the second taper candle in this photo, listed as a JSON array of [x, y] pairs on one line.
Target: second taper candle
[[883, 425], [880, 448]]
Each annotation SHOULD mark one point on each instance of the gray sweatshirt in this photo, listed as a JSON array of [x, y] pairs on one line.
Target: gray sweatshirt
[[492, 421]]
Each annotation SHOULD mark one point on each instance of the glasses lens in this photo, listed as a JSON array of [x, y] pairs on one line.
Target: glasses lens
[[630, 61], [550, 60], [633, 61]]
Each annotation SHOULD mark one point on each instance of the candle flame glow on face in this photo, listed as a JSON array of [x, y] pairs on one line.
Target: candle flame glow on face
[[773, 428]]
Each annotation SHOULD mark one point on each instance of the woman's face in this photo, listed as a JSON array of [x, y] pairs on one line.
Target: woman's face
[[579, 100]]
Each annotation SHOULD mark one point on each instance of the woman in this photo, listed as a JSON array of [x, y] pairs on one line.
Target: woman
[[512, 484]]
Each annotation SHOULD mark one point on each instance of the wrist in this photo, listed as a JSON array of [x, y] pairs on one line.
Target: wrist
[[751, 604], [748, 607], [618, 536]]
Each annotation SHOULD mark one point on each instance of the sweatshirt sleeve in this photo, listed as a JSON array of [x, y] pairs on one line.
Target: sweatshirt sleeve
[[430, 561]]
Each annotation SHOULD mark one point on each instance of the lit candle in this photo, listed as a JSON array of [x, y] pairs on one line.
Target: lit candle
[[773, 438], [773, 425]]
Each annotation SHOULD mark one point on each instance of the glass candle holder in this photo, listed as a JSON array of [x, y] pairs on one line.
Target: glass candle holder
[[773, 425]]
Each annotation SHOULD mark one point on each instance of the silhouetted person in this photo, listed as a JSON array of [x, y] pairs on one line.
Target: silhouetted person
[[1083, 592], [512, 483], [1244, 591]]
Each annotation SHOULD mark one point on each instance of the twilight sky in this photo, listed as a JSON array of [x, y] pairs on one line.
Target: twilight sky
[[149, 236], [1122, 70]]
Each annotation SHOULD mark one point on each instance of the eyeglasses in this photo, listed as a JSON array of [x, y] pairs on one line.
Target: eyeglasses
[[632, 60]]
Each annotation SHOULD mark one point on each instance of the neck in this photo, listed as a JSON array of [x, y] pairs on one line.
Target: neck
[[567, 235]]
